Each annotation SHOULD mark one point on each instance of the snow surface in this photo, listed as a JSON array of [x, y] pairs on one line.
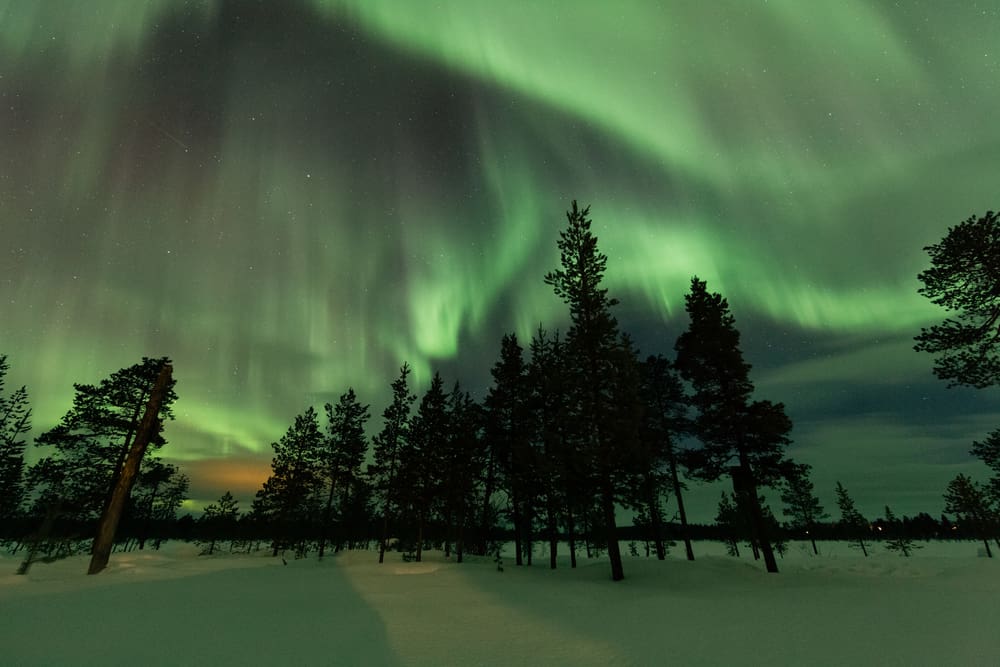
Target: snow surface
[[173, 607]]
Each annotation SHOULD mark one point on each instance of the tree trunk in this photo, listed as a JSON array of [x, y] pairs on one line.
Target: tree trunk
[[657, 524], [553, 533], [420, 537], [109, 520], [571, 536], [614, 552], [324, 526], [516, 516], [744, 484], [487, 519], [680, 505], [51, 514], [815, 550]]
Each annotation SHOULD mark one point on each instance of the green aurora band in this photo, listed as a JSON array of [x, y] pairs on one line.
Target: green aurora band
[[290, 206]]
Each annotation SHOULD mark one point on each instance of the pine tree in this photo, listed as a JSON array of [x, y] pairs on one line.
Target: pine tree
[[963, 278], [342, 454], [743, 439], [897, 538], [665, 423], [801, 504], [220, 520], [287, 500], [970, 502], [851, 520], [388, 444], [988, 451], [593, 347], [92, 440], [15, 422]]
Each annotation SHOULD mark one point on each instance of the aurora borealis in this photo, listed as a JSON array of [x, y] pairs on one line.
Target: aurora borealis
[[290, 198]]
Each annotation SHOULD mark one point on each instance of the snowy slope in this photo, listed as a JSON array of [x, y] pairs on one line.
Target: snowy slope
[[174, 608]]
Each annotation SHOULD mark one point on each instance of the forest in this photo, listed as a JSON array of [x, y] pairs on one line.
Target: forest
[[578, 431]]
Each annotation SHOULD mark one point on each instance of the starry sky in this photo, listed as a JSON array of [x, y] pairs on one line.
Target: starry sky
[[292, 198]]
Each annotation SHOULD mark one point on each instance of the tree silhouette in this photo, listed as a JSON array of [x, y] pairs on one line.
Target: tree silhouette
[[341, 455], [594, 347], [389, 443], [286, 501], [965, 278], [92, 440], [743, 439], [15, 422], [219, 520], [665, 423], [971, 504], [801, 504], [851, 520], [897, 538]]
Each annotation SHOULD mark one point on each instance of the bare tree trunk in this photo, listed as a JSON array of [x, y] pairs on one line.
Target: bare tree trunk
[[109, 520], [745, 485], [675, 479]]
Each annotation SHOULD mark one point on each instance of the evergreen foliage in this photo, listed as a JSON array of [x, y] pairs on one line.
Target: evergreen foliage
[[92, 439], [15, 423], [342, 454], [600, 364], [963, 278], [743, 439], [897, 538], [665, 423], [388, 444], [988, 451], [507, 442], [287, 501], [421, 459], [220, 519], [801, 504], [972, 504]]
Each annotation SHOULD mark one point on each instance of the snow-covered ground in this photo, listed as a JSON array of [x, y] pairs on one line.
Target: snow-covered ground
[[939, 607]]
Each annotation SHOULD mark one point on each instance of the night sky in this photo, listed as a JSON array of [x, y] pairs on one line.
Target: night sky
[[290, 198]]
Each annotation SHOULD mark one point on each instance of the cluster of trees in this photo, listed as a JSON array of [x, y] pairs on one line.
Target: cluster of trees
[[567, 434], [580, 427]]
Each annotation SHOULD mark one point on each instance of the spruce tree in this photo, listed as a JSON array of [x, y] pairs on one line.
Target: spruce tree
[[388, 445], [593, 348], [743, 439], [854, 525]]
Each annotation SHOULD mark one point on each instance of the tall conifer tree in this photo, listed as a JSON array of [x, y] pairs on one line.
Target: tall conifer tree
[[743, 439], [594, 347]]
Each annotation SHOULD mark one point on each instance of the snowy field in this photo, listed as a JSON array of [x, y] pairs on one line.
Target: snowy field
[[939, 607]]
